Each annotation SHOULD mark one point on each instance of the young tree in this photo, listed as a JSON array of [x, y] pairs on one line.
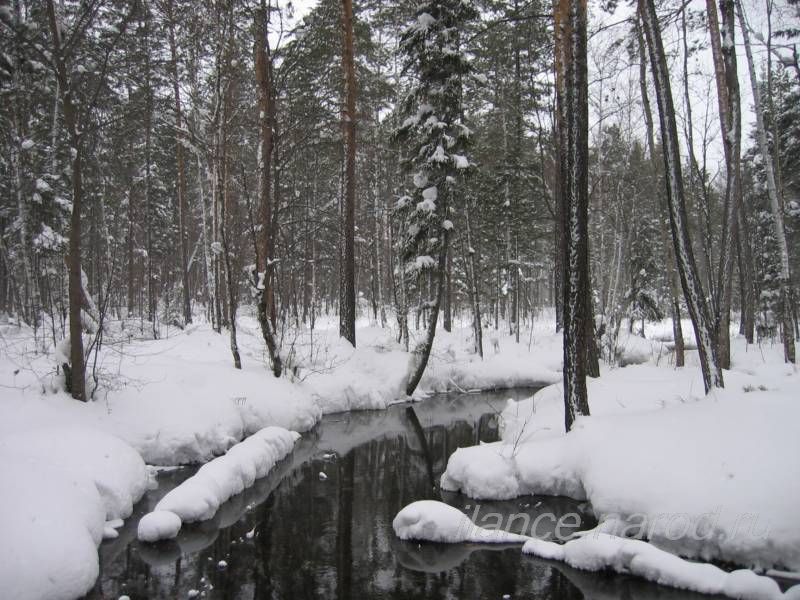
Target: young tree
[[436, 140], [687, 268], [77, 106]]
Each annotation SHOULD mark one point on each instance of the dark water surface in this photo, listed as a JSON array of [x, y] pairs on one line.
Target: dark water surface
[[299, 534]]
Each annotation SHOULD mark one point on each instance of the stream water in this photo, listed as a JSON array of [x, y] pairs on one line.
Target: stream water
[[319, 525]]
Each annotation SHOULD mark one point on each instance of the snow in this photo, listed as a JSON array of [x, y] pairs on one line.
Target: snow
[[432, 521], [62, 486], [702, 477], [654, 444], [158, 525], [199, 497], [596, 551]]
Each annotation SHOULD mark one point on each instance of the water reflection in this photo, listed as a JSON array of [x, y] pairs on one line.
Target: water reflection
[[297, 535]]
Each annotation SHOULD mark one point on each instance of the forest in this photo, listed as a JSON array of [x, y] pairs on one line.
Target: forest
[[223, 221]]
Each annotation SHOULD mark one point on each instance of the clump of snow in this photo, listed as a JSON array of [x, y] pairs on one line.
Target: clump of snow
[[199, 497], [596, 551], [158, 525], [433, 521], [474, 470]]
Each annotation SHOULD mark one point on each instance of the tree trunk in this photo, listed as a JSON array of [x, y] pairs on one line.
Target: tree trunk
[[264, 257], [181, 168], [724, 54], [347, 312], [77, 367], [775, 200], [573, 135], [687, 268], [675, 304]]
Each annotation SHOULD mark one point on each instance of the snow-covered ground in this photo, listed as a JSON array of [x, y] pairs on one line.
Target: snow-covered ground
[[714, 478], [653, 446], [78, 467]]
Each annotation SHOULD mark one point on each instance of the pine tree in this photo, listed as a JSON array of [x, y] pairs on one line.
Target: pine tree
[[435, 140]]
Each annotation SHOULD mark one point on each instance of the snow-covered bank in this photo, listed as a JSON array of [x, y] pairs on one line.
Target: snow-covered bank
[[64, 489], [199, 497], [598, 551], [594, 550], [178, 400], [709, 477]]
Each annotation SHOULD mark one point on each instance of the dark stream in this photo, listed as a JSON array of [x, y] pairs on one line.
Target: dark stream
[[299, 534]]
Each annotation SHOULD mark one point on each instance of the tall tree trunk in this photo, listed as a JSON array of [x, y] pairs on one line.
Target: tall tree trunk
[[347, 312], [181, 167], [724, 54], [472, 282], [573, 133], [77, 375], [775, 200], [674, 284], [226, 218], [266, 243], [687, 268]]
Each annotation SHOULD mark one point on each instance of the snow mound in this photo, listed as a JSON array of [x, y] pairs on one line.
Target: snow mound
[[158, 525], [597, 551], [476, 471], [199, 497], [434, 521], [67, 483]]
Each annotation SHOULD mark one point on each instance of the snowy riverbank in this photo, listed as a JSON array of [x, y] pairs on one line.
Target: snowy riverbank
[[178, 400], [711, 477], [78, 468]]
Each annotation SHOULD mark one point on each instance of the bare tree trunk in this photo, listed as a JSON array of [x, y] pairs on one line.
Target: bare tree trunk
[[423, 350], [687, 268], [266, 242], [725, 70], [573, 134], [181, 167], [775, 200], [226, 216], [472, 281], [675, 304], [347, 312], [31, 302], [77, 367]]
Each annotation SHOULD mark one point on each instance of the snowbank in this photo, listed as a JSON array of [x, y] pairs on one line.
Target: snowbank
[[597, 551], [711, 477], [176, 401], [199, 497], [63, 489], [432, 521], [373, 375]]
